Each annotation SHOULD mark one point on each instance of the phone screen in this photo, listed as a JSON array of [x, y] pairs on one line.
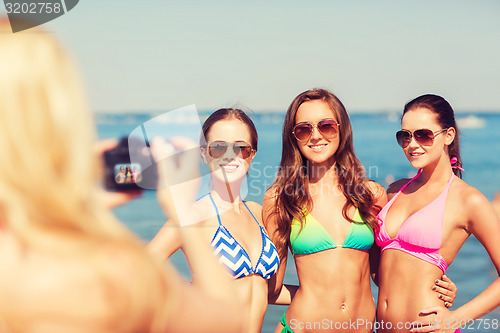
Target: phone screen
[[127, 173]]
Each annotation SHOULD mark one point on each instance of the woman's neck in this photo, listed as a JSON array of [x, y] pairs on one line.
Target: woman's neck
[[226, 194], [324, 172], [437, 172]]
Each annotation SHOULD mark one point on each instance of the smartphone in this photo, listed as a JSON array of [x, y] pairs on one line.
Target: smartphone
[[123, 173]]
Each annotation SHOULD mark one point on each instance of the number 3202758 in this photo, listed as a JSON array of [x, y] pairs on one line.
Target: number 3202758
[[33, 8]]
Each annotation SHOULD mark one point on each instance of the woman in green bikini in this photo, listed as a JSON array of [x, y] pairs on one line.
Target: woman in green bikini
[[324, 209]]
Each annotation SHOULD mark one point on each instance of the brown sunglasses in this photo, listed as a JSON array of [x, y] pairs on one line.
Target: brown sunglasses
[[217, 149], [329, 128], [423, 136]]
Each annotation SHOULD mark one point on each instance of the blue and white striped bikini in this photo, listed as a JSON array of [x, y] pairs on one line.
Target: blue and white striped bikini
[[232, 255]]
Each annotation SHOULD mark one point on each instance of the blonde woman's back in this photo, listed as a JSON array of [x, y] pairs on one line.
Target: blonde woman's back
[[108, 287], [66, 264]]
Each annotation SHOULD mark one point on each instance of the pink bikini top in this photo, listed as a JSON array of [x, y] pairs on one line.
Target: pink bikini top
[[421, 234]]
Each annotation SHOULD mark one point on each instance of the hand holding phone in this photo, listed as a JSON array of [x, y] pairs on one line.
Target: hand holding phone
[[125, 174], [113, 199]]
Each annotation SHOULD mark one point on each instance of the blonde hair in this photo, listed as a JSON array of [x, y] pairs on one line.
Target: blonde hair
[[49, 173]]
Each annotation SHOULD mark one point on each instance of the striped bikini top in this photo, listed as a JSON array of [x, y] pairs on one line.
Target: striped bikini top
[[232, 255]]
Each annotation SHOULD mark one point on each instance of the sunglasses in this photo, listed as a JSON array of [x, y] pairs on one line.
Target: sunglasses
[[329, 128], [424, 136], [217, 149]]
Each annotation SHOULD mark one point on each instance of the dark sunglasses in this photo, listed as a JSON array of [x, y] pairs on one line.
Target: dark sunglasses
[[424, 136], [329, 128], [217, 149]]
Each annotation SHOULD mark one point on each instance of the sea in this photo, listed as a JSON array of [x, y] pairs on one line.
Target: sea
[[376, 147]]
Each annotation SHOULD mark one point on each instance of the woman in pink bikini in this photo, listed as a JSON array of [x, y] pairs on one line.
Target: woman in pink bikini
[[426, 222]]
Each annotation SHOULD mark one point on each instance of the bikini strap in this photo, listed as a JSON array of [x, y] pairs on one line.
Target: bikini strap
[[216, 210], [202, 197], [450, 181], [416, 176], [252, 214]]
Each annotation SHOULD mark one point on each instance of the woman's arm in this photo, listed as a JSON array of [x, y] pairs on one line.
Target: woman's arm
[[165, 242], [270, 220], [485, 225], [380, 196], [287, 293], [496, 203]]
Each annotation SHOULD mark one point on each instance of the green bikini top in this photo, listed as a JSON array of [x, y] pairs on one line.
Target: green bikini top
[[314, 238]]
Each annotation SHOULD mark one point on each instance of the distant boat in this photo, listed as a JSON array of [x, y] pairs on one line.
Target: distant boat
[[471, 122]]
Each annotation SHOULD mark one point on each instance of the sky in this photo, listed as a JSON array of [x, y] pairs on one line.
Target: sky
[[159, 55]]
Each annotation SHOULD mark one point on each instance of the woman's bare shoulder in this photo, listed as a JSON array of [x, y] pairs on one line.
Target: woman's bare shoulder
[[254, 206], [470, 197], [256, 209], [496, 203], [68, 286], [87, 287], [394, 188], [375, 188], [202, 212], [271, 196], [378, 191]]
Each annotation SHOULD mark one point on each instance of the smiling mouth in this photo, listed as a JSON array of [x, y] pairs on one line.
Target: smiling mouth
[[415, 155], [229, 167], [317, 147]]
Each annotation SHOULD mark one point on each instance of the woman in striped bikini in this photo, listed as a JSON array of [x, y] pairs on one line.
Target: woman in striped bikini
[[232, 226]]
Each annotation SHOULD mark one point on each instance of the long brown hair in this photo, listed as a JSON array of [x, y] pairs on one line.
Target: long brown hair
[[291, 184], [445, 117]]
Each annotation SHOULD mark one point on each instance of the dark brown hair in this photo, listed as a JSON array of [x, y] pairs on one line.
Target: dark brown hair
[[227, 114], [291, 185], [445, 118]]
